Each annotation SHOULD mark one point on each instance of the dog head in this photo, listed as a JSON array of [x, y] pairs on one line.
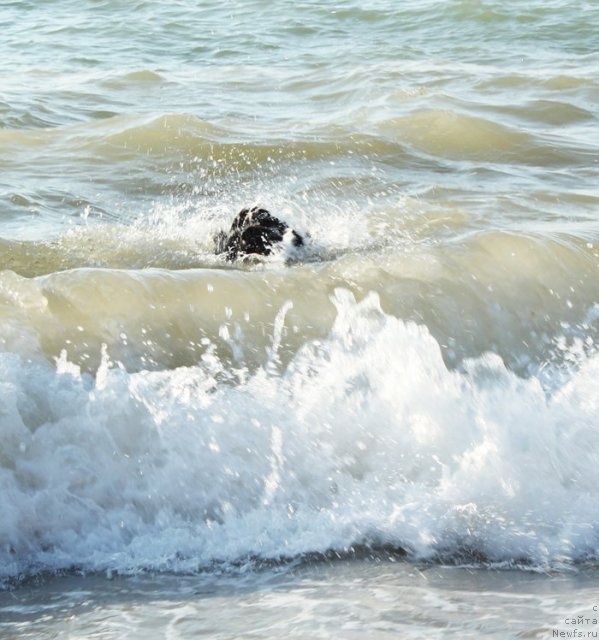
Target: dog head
[[254, 231]]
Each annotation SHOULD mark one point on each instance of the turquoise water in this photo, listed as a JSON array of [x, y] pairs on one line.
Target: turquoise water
[[418, 383]]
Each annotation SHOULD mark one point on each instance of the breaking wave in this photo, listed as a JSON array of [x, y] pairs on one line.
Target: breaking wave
[[364, 438]]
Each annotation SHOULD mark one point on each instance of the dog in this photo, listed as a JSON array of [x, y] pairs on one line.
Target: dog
[[254, 231]]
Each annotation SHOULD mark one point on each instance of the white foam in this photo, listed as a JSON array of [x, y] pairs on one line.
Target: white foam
[[366, 437]]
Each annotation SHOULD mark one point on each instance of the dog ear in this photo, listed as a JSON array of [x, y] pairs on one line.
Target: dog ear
[[232, 245]]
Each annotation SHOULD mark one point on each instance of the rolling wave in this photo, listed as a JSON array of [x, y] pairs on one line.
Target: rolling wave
[[157, 301]]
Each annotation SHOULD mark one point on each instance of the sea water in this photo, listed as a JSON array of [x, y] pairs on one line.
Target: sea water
[[316, 436]]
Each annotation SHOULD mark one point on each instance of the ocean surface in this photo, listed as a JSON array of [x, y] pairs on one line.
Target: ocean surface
[[409, 404]]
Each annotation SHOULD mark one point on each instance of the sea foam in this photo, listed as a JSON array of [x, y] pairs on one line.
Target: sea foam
[[364, 438]]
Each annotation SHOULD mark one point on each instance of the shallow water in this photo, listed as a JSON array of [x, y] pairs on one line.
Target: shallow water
[[422, 376], [323, 600]]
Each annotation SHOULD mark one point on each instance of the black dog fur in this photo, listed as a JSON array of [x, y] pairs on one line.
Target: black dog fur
[[254, 231]]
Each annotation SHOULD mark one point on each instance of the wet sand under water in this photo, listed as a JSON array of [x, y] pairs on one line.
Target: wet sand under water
[[343, 599]]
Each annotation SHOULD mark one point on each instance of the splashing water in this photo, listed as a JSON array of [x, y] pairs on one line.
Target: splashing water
[[364, 438]]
